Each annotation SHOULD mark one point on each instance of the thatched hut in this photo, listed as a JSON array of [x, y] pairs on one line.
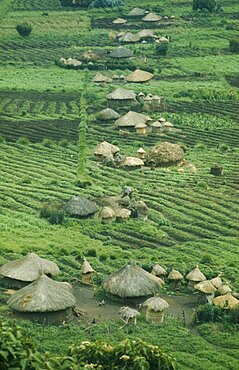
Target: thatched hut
[[166, 154], [195, 276], [105, 150], [151, 17], [217, 281], [131, 119], [122, 214], [139, 76], [132, 281], [226, 301], [90, 55], [224, 289], [136, 12], [119, 21], [80, 207], [157, 127], [121, 52], [44, 299], [131, 163], [121, 94], [128, 314], [87, 272], [107, 114], [71, 62], [140, 210], [141, 153], [107, 215], [155, 307], [141, 128], [146, 35], [159, 271], [23, 271], [100, 78], [163, 39], [168, 126], [207, 291], [175, 277], [154, 102], [129, 38]]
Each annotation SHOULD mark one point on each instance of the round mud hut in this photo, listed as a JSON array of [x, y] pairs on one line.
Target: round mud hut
[[87, 272], [139, 76], [105, 150], [128, 314], [100, 78], [44, 300], [18, 273], [226, 301], [131, 119], [80, 207], [119, 21], [107, 215], [147, 35], [132, 281], [122, 98], [132, 163], [217, 281], [107, 114], [129, 38], [194, 277], [159, 271], [136, 12], [207, 291], [155, 307], [122, 214], [175, 277], [141, 153], [121, 52], [166, 154], [152, 17]]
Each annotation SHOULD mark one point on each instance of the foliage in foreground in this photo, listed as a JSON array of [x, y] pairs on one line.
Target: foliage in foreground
[[18, 352], [24, 29], [210, 5], [210, 313]]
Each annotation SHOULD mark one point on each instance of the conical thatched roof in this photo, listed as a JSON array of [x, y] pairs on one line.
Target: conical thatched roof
[[107, 114], [140, 125], [129, 37], [175, 275], [167, 124], [132, 281], [151, 17], [141, 151], [205, 287], [132, 162], [128, 313], [79, 206], [29, 268], [217, 281], [123, 213], [224, 289], [156, 304], [162, 120], [158, 270], [99, 77], [121, 94], [107, 212], [156, 124], [121, 52], [166, 154], [106, 149], [139, 76], [86, 267], [226, 301], [119, 21], [131, 119], [136, 12], [196, 275], [146, 34], [43, 295]]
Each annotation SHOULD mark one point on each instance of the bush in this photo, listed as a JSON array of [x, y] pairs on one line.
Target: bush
[[210, 5], [91, 252], [234, 46], [23, 140], [106, 3], [76, 3], [53, 212], [207, 259], [210, 313], [48, 142], [162, 49], [24, 29]]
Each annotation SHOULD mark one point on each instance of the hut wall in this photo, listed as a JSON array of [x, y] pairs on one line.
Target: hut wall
[[141, 131], [176, 284], [154, 317], [9, 283], [56, 317], [191, 284], [87, 278]]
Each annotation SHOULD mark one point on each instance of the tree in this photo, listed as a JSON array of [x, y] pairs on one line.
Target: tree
[[209, 5], [24, 29], [106, 3], [162, 48], [234, 46]]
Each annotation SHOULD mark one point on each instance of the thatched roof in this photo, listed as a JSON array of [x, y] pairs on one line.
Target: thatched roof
[[132, 281], [162, 120], [43, 295], [226, 301], [163, 39], [156, 124], [99, 77], [217, 281], [128, 313], [141, 151], [139, 76], [167, 124], [136, 12], [71, 62], [123, 213], [107, 212], [156, 304], [106, 149], [224, 289], [107, 114], [158, 270], [90, 55], [131, 119], [119, 21], [129, 37], [140, 125], [175, 275], [79, 206], [205, 287], [196, 275], [121, 94], [151, 17], [166, 154], [121, 52], [86, 267], [132, 162], [146, 34], [29, 268]]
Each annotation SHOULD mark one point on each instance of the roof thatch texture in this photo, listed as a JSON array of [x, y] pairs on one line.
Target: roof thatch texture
[[107, 114], [131, 119], [196, 275], [139, 76], [224, 289], [175, 275], [151, 17], [163, 39], [71, 62], [119, 21], [90, 55], [136, 12], [129, 37], [146, 34], [158, 270], [217, 281], [43, 295], [140, 125], [205, 287], [156, 304], [166, 154], [106, 149], [107, 212], [156, 124], [86, 267], [141, 151], [99, 77], [121, 94], [128, 313], [132, 162], [121, 52], [123, 213], [79, 206], [29, 268], [226, 301], [167, 124], [132, 281]]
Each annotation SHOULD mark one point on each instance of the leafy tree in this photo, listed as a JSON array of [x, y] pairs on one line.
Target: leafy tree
[[234, 46], [53, 212], [106, 3], [24, 29], [162, 48], [209, 5]]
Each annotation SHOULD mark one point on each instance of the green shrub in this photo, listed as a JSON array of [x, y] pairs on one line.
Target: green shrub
[[2, 139], [162, 48], [210, 5], [91, 252], [76, 3], [53, 212], [64, 143], [49, 143], [234, 46], [208, 313], [207, 259], [106, 3], [24, 29], [23, 140]]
